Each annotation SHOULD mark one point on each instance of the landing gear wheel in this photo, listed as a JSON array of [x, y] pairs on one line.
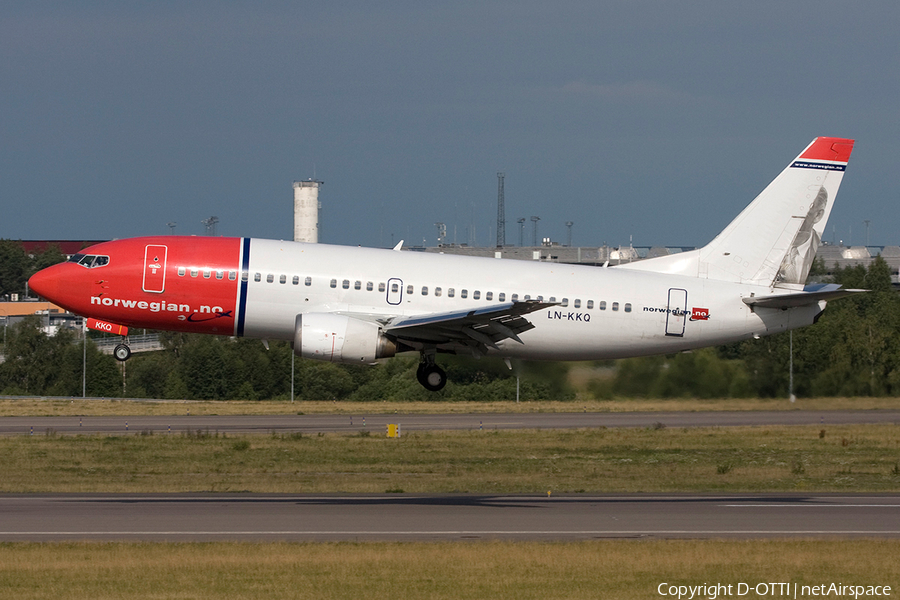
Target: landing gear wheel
[[432, 377], [122, 352]]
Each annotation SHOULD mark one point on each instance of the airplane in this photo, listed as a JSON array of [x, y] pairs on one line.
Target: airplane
[[357, 305]]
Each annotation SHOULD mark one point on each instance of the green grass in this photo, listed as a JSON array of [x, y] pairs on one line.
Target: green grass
[[851, 458], [590, 570]]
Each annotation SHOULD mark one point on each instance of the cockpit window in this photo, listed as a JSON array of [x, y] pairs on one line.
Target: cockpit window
[[89, 260]]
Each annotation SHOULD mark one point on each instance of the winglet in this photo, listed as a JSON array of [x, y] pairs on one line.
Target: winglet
[[398, 246]]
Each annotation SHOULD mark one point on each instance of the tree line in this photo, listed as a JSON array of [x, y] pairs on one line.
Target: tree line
[[195, 366]]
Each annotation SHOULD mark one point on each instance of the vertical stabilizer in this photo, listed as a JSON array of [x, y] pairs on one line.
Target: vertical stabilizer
[[774, 240]]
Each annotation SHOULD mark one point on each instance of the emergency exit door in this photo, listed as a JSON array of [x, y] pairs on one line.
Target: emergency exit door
[[394, 291]]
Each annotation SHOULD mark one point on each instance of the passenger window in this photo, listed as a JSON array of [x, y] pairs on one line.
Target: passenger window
[[245, 276], [489, 296], [334, 283], [565, 302], [369, 286], [220, 274], [615, 306], [590, 304], [232, 275], [603, 305], [308, 281], [395, 288], [450, 292], [476, 295], [515, 297], [464, 293], [540, 298], [206, 273], [577, 303], [552, 299], [424, 290], [357, 285], [295, 280], [194, 272], [270, 278], [628, 307], [257, 277], [437, 291], [346, 284], [527, 297], [181, 271], [381, 287], [502, 297], [282, 279]]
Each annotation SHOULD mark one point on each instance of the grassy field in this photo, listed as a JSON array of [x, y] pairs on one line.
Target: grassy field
[[598, 569], [112, 407], [737, 459]]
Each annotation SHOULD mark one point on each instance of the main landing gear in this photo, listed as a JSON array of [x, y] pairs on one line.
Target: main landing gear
[[122, 352], [432, 377]]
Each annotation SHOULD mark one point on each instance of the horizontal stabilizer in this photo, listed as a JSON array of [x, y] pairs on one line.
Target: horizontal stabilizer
[[804, 298]]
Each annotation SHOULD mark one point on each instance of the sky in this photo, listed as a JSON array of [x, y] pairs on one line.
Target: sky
[[652, 123]]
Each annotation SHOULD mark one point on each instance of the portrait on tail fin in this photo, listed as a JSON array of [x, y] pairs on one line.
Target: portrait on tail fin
[[799, 258]]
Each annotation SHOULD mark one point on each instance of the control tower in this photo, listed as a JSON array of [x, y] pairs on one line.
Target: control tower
[[306, 211]]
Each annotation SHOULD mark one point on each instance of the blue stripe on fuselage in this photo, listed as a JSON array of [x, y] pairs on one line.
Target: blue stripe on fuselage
[[245, 280]]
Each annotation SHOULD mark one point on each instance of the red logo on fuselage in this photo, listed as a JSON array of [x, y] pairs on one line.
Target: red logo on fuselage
[[699, 314]]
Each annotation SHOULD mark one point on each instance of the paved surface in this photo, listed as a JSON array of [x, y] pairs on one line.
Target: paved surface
[[378, 423], [405, 517]]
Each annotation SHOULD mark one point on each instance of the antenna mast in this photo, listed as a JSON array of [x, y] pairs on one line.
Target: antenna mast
[[501, 216], [210, 225]]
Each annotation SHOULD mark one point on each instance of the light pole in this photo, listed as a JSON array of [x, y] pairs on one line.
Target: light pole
[[83, 358], [791, 396]]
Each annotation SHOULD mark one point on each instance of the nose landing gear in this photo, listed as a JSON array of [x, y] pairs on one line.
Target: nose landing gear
[[122, 352]]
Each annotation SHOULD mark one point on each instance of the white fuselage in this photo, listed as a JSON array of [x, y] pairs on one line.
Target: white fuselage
[[603, 312]]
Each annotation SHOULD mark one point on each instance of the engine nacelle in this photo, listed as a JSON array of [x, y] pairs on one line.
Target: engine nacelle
[[337, 338]]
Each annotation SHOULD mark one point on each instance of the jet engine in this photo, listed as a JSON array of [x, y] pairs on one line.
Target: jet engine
[[338, 338]]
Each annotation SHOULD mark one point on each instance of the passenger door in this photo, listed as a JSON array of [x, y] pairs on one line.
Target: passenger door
[[154, 269]]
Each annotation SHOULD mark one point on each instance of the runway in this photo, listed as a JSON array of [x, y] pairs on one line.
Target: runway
[[433, 422], [250, 517]]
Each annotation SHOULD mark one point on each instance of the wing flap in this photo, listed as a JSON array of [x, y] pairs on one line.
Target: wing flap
[[477, 329]]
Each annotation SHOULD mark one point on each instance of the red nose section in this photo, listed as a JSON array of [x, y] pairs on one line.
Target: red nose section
[[46, 282]]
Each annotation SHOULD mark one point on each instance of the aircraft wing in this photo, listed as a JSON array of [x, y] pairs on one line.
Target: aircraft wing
[[804, 298], [476, 330]]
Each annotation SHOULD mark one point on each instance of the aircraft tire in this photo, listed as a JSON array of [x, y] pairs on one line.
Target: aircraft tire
[[432, 377], [122, 352]]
